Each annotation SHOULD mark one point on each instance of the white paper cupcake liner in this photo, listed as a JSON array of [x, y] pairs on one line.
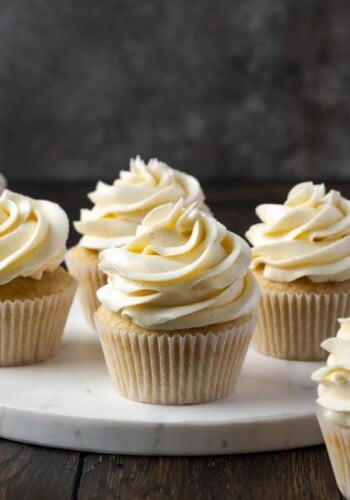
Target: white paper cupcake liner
[[175, 369], [31, 329], [292, 326], [90, 279], [337, 440]]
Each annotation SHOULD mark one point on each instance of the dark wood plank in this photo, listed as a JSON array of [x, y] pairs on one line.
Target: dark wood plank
[[236, 193], [302, 474], [35, 473], [236, 219]]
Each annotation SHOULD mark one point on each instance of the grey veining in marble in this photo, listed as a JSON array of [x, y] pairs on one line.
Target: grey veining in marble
[[239, 89]]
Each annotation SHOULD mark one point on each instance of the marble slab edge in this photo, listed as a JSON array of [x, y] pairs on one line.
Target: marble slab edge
[[152, 438]]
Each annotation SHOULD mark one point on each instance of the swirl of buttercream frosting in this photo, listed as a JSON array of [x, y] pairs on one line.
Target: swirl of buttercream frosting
[[183, 269], [33, 235], [307, 236], [334, 379], [119, 208]]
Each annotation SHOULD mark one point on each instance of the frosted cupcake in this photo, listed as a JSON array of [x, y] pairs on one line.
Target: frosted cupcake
[[117, 211], [35, 293], [301, 259], [179, 308], [333, 410]]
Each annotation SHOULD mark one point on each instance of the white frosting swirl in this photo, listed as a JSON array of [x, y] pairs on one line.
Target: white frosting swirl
[[183, 269], [307, 236], [334, 379], [120, 207], [33, 235]]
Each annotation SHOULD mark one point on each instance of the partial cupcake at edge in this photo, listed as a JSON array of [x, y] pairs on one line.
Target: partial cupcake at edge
[[117, 211], [35, 292], [179, 308], [301, 259], [333, 404]]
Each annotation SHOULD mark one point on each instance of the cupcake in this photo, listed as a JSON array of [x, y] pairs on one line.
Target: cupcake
[[333, 411], [301, 259], [117, 211], [35, 293], [179, 309]]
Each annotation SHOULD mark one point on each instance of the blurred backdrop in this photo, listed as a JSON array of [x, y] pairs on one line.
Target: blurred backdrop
[[246, 89]]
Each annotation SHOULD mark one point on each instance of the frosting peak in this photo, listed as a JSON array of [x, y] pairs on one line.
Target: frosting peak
[[307, 236], [183, 269], [334, 379], [120, 207], [306, 194], [33, 235]]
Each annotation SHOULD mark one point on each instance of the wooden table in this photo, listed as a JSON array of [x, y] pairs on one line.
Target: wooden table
[[31, 472]]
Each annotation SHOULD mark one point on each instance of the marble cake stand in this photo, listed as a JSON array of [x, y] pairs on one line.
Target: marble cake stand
[[69, 402]]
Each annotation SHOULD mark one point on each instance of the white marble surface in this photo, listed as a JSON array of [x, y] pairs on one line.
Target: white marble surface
[[69, 402]]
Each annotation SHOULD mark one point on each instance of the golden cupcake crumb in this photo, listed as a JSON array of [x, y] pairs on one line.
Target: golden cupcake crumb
[[29, 288], [301, 285], [85, 255], [115, 320]]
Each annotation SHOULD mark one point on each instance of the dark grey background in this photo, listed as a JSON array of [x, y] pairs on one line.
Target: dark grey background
[[241, 88]]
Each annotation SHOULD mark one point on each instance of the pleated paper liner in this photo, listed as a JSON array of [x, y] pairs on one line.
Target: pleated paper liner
[[293, 325], [175, 369], [337, 440], [90, 279], [31, 329]]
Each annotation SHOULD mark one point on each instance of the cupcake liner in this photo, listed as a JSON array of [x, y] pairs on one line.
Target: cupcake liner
[[176, 368], [90, 279], [337, 440], [31, 329], [292, 326]]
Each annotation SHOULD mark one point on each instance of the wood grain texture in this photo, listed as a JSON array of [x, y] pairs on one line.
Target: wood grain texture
[[298, 474], [34, 473]]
